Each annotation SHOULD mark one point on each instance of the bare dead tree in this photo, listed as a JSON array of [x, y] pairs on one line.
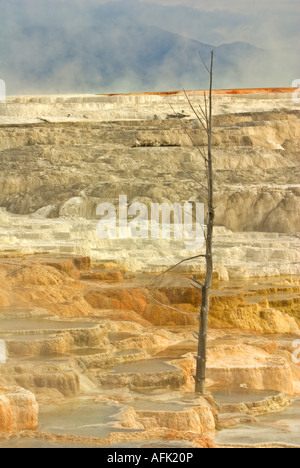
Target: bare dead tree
[[201, 358], [204, 117]]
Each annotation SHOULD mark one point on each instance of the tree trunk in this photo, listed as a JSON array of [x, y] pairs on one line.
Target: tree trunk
[[201, 358]]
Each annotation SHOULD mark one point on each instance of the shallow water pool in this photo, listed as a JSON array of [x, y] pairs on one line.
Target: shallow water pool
[[81, 417], [241, 396], [24, 324], [144, 367], [283, 427]]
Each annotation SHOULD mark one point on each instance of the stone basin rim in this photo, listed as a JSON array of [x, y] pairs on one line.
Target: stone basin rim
[[50, 331]]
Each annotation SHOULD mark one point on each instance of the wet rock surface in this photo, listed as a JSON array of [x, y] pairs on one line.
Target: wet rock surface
[[55, 173], [83, 320], [129, 374], [18, 409]]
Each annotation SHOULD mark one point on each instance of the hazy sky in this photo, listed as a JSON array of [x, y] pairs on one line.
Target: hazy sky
[[233, 5], [270, 21], [60, 44], [271, 7]]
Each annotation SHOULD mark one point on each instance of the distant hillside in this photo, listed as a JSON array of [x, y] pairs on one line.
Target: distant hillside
[[115, 48]]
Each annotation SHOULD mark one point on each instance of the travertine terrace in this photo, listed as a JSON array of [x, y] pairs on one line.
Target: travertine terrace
[[90, 350], [61, 156]]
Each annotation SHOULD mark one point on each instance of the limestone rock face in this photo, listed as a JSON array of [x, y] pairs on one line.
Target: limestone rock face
[[255, 318], [276, 377], [18, 409], [253, 367], [179, 421], [200, 418], [172, 379], [268, 209], [55, 170], [67, 170], [270, 404]]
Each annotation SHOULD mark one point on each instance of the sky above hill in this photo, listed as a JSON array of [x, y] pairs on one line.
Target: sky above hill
[[269, 21], [265, 22], [126, 45]]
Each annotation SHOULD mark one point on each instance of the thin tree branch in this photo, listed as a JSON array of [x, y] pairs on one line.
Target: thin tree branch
[[200, 284], [202, 60], [172, 308], [194, 110], [191, 138], [197, 181], [206, 110], [175, 266]]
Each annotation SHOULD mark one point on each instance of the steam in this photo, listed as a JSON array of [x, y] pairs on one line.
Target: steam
[[98, 46]]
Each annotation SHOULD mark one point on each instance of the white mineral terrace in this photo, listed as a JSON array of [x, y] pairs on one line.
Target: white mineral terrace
[[95, 349]]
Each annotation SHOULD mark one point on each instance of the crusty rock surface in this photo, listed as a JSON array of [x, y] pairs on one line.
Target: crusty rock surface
[[59, 170], [256, 167], [123, 338], [18, 409]]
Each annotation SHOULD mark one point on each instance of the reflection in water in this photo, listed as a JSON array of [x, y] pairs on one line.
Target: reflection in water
[[144, 367], [81, 417], [241, 395], [23, 324], [283, 427], [31, 443]]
